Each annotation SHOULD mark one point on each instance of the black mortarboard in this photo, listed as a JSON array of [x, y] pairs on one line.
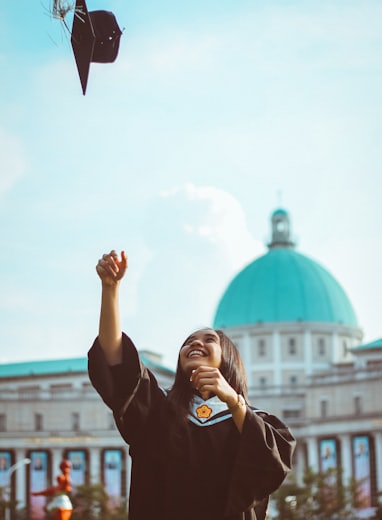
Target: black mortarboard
[[95, 38]]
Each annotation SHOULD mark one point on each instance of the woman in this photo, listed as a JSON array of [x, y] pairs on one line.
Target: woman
[[199, 452], [61, 506]]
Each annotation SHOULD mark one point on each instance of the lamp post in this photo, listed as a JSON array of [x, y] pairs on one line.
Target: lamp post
[[13, 468]]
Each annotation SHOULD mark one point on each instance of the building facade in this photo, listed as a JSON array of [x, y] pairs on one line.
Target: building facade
[[302, 346], [50, 411]]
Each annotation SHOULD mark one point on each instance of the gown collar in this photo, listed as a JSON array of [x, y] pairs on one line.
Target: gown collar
[[211, 411]]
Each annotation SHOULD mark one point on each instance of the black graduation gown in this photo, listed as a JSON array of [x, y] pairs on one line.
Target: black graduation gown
[[190, 469]]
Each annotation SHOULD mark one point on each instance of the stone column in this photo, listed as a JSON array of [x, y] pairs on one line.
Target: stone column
[[245, 349], [378, 459], [94, 465], [20, 479], [299, 468], [313, 461], [334, 347], [128, 472], [277, 372], [56, 458], [308, 352], [346, 457]]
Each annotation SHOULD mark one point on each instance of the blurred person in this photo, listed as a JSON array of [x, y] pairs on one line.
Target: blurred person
[[61, 506]]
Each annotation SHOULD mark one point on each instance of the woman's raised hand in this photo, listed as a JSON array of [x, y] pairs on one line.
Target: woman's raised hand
[[111, 268]]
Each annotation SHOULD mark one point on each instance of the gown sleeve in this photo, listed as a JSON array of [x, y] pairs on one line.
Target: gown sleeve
[[263, 460], [129, 389]]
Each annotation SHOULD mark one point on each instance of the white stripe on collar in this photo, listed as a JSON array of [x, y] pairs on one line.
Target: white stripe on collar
[[204, 413]]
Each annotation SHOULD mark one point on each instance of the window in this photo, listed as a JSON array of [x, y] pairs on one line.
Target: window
[[291, 414], [61, 390], [113, 475], [292, 346], [344, 348], [293, 380], [263, 381], [29, 392], [261, 348], [3, 422], [321, 347], [374, 363], [87, 388], [75, 421], [357, 405], [280, 225], [324, 408], [38, 422]]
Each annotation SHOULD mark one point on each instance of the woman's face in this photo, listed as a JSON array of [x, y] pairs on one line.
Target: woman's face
[[202, 348]]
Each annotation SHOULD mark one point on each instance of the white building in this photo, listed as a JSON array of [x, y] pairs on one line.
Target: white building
[[301, 343], [50, 411]]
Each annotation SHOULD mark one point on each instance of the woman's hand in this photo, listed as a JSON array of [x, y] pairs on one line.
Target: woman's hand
[[208, 381], [111, 269]]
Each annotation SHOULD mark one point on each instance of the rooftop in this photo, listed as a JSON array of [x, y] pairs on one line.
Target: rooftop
[[60, 366], [374, 345]]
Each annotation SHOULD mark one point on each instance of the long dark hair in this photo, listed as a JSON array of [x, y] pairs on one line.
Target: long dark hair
[[231, 368]]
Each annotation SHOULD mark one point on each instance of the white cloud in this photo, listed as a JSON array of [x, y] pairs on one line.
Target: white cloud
[[199, 239], [216, 216]]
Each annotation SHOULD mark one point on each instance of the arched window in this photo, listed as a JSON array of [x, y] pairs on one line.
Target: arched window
[[357, 405], [324, 408], [75, 421], [38, 422], [263, 381], [261, 348], [292, 346]]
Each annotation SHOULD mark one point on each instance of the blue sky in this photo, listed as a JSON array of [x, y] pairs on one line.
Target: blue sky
[[214, 114]]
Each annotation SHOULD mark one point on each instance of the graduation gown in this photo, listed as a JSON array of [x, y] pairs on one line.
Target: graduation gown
[[200, 468]]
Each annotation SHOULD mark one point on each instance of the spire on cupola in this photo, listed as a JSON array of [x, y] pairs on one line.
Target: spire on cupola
[[280, 230]]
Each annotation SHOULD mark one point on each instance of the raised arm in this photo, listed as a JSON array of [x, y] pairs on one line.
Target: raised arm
[[111, 269]]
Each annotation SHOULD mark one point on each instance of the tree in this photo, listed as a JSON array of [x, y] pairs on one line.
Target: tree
[[323, 496], [7, 505], [90, 502]]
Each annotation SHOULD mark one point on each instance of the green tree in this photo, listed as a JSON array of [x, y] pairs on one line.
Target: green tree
[[7, 505], [322, 496], [90, 502]]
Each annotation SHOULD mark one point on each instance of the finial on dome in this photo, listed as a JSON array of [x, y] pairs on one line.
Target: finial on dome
[[280, 229]]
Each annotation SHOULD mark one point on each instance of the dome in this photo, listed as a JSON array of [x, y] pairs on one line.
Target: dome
[[283, 286]]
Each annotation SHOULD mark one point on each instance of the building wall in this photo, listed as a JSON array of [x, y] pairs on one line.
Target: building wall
[[49, 418], [306, 374], [74, 418]]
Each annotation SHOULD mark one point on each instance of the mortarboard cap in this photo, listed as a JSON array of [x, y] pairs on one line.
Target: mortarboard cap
[[95, 38]]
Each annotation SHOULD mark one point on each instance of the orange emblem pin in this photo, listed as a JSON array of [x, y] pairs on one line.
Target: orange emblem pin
[[203, 411]]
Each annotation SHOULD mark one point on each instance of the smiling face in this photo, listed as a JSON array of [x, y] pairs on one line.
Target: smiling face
[[202, 348]]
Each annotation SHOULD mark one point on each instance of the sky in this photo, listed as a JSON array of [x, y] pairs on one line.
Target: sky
[[214, 114]]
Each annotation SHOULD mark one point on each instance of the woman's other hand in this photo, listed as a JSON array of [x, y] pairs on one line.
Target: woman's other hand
[[208, 381]]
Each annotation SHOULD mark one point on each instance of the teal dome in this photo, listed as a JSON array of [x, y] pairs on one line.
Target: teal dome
[[283, 286]]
